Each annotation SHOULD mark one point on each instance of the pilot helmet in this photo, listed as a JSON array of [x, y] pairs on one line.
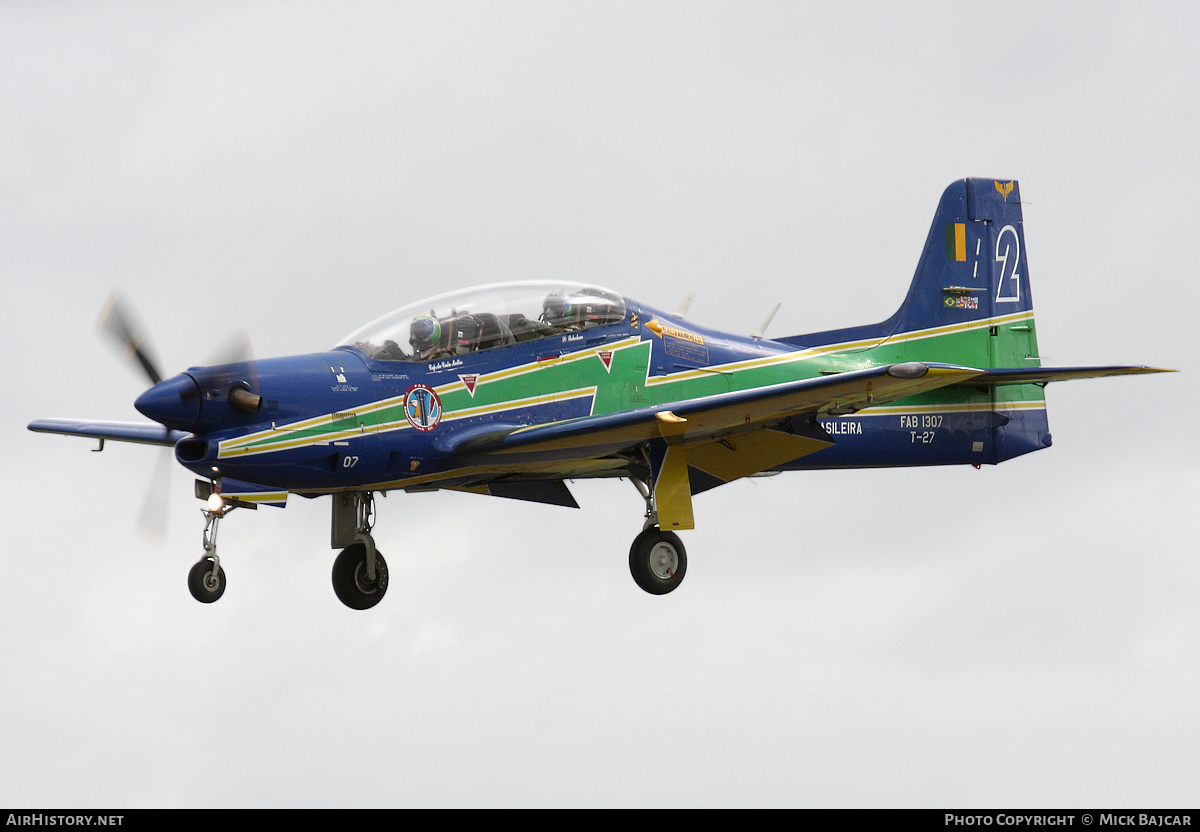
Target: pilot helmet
[[558, 308], [424, 332]]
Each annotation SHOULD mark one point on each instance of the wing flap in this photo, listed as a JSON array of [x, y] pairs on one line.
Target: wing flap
[[551, 492], [750, 453]]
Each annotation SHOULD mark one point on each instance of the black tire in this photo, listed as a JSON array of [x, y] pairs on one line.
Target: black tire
[[350, 582], [203, 584], [657, 561]]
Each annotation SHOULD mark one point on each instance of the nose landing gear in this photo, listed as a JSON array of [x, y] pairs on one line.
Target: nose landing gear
[[206, 580]]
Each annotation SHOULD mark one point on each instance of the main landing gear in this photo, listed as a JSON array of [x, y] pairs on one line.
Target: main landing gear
[[657, 559], [360, 574]]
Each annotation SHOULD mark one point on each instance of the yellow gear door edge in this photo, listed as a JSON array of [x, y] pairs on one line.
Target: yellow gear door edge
[[673, 492]]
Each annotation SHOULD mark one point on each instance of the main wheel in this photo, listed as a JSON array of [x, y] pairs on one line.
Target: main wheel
[[206, 585], [350, 581], [657, 560]]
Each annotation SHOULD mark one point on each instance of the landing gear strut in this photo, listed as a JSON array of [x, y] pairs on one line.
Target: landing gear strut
[[657, 559], [360, 574], [206, 580]]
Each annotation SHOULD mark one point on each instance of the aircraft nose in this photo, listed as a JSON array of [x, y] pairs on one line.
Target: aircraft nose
[[174, 403]]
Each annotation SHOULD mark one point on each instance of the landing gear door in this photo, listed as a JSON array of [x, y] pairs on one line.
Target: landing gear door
[[345, 520]]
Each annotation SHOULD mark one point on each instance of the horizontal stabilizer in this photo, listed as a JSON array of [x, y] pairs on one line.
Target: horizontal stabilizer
[[142, 433]]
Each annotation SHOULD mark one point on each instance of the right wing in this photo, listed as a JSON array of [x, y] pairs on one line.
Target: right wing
[[143, 433]]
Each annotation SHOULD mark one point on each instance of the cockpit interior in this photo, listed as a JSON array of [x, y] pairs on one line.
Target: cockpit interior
[[482, 318]]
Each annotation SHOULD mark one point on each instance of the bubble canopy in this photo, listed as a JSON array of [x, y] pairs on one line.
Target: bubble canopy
[[484, 317]]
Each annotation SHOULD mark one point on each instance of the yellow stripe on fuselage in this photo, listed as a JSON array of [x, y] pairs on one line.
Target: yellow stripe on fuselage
[[241, 446]]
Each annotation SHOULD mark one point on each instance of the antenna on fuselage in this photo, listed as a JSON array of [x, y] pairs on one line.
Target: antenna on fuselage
[[762, 328], [682, 309]]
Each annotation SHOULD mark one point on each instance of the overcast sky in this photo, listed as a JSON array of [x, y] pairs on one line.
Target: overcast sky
[[1022, 635]]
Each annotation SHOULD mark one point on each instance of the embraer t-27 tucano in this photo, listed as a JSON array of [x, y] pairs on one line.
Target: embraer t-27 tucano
[[510, 390]]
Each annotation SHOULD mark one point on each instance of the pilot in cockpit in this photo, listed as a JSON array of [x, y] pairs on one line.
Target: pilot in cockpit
[[560, 311], [425, 335], [568, 312]]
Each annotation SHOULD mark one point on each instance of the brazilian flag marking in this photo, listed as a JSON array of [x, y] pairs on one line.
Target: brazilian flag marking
[[956, 241]]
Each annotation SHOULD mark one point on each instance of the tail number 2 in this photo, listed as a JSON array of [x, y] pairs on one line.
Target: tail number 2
[[1008, 256]]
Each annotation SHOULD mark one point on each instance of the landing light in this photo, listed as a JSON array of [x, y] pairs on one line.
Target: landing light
[[215, 503], [910, 369]]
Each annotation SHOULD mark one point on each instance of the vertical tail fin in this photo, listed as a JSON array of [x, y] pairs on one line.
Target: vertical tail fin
[[969, 299], [969, 304], [973, 272]]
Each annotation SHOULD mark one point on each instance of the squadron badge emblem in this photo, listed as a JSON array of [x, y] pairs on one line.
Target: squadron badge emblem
[[422, 407]]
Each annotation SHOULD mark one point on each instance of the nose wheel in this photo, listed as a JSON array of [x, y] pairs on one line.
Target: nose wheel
[[206, 580]]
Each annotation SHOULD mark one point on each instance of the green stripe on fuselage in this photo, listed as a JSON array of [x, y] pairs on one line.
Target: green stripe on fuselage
[[626, 383]]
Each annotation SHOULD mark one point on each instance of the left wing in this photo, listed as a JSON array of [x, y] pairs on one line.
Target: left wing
[[725, 436], [143, 433], [708, 418]]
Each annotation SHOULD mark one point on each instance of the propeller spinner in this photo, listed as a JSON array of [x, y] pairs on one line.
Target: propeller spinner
[[176, 402]]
